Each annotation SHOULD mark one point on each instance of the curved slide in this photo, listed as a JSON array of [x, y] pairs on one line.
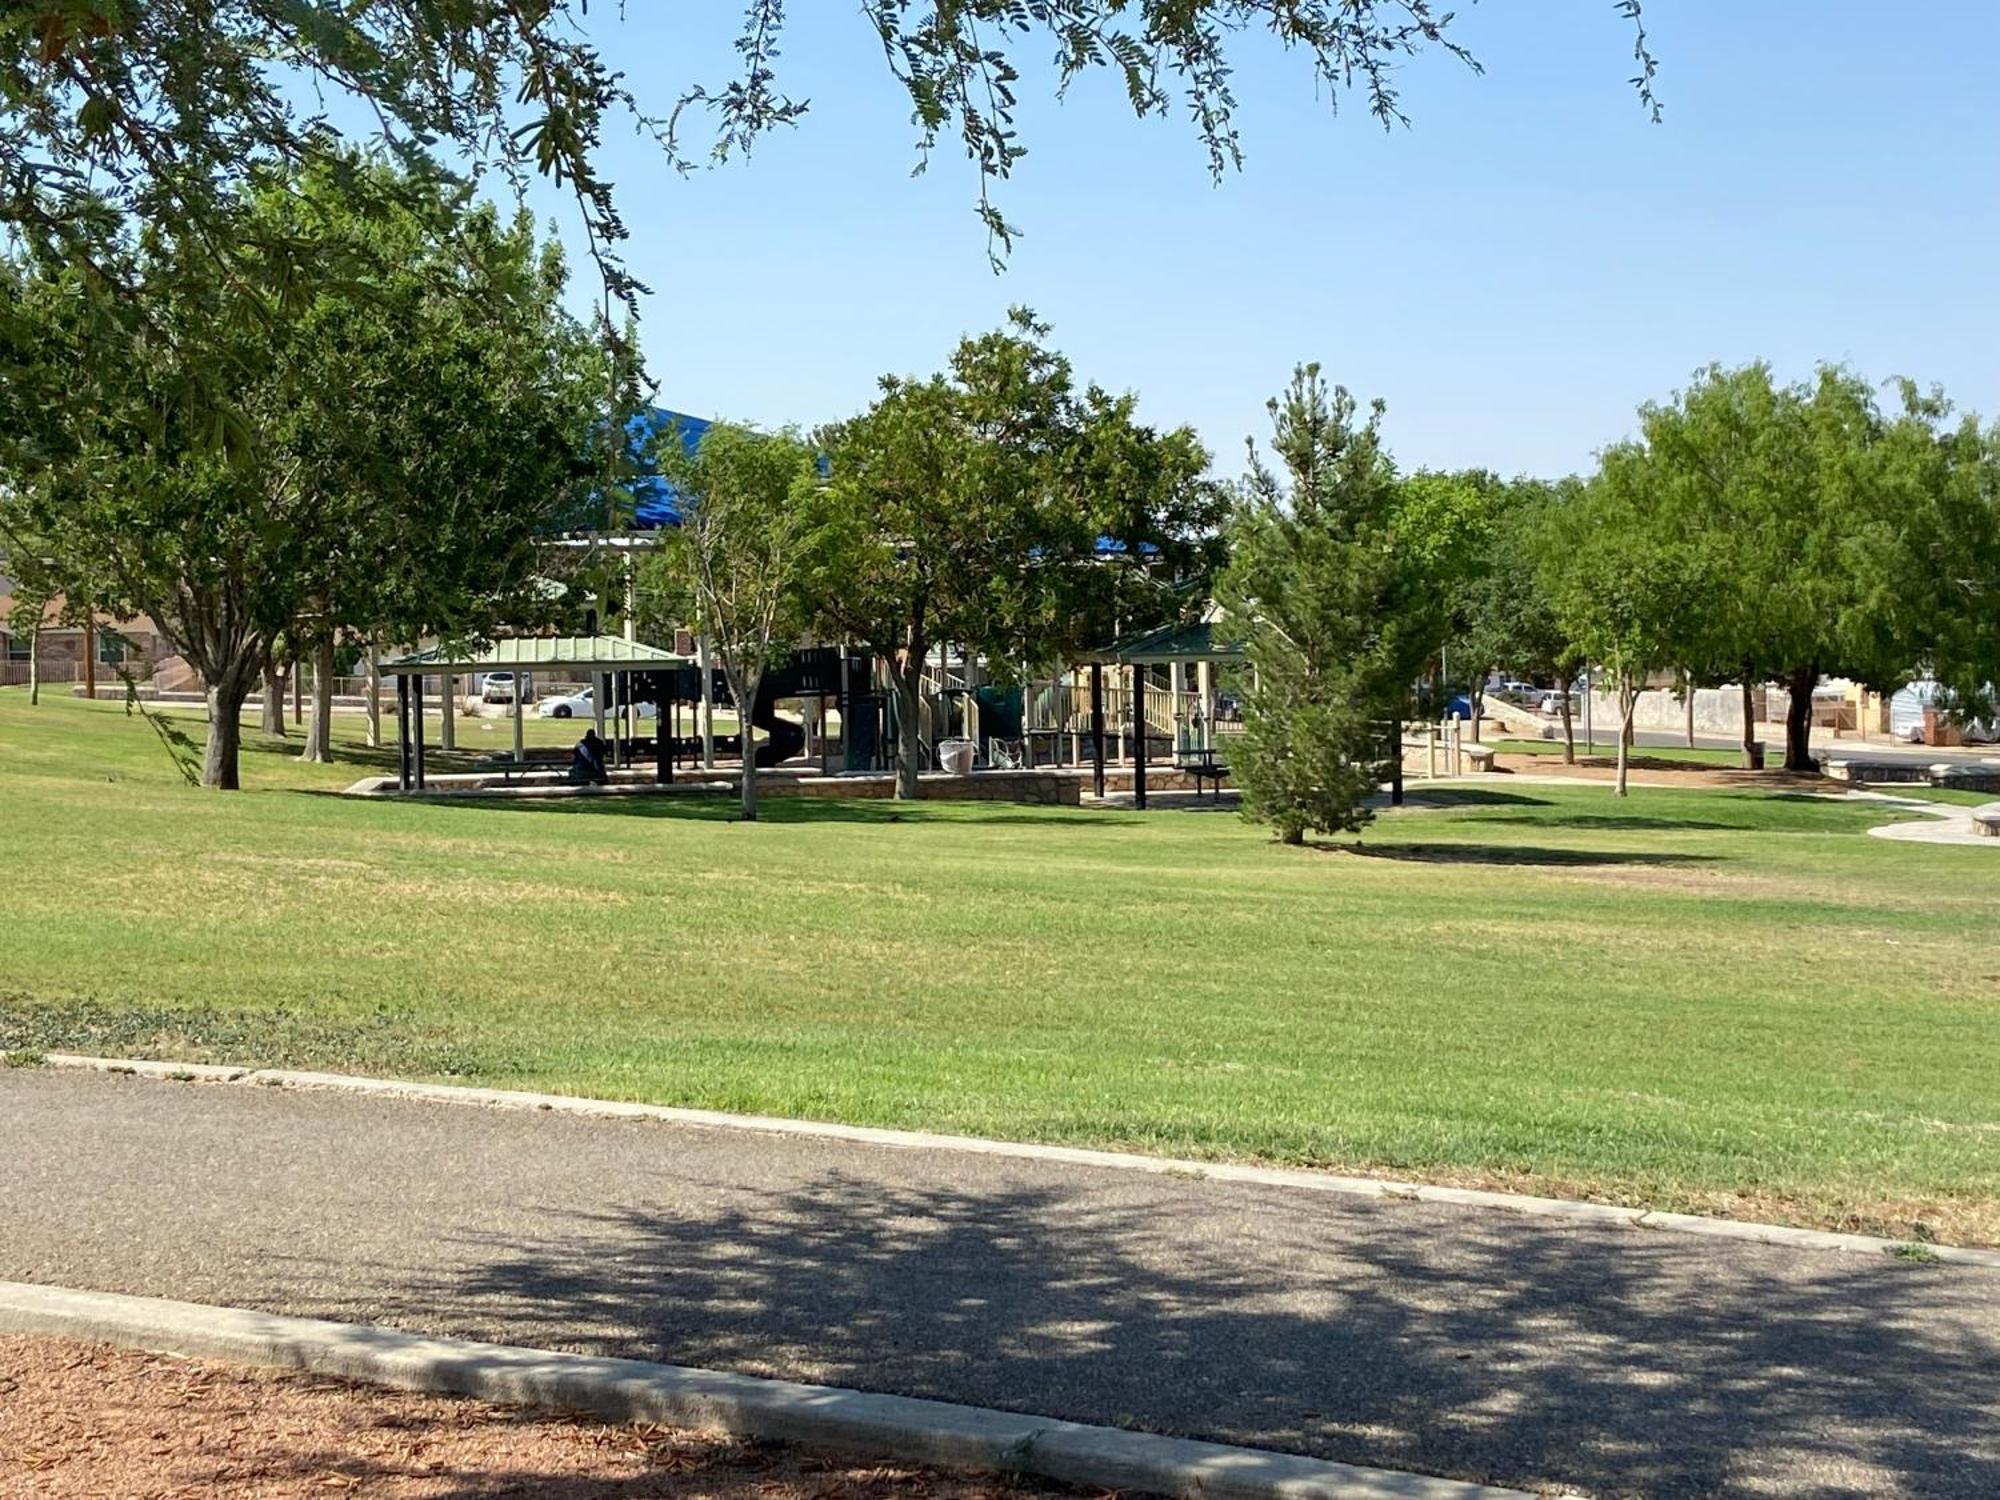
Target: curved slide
[[783, 738]]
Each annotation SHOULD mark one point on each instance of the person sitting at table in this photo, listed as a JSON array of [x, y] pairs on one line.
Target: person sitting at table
[[586, 761]]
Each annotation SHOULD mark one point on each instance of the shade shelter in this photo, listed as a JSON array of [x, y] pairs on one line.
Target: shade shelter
[[601, 657], [1202, 645]]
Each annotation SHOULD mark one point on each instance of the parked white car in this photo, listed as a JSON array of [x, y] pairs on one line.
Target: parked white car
[[498, 687], [583, 705]]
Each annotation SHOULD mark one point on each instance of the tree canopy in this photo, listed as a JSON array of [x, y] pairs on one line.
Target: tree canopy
[[741, 557], [995, 507], [1332, 606], [153, 108], [392, 437]]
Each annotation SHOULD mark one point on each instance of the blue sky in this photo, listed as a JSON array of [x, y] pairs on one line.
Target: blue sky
[[1512, 275]]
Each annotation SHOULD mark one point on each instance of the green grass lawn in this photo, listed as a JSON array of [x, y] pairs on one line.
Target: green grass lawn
[[1725, 1001]]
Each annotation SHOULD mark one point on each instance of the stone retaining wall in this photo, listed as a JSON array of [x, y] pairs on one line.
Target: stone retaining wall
[[1956, 775]]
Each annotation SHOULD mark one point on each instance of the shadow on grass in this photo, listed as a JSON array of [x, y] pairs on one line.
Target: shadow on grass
[[1488, 1348], [1624, 822], [720, 807], [1510, 854], [1469, 796]]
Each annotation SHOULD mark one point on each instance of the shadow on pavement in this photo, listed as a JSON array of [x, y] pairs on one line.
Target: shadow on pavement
[[1503, 1351]]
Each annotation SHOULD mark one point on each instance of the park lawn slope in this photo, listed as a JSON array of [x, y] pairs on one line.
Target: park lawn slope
[[1713, 1000]]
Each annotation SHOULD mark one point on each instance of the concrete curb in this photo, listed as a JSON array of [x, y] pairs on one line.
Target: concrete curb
[[1296, 1179], [898, 1427]]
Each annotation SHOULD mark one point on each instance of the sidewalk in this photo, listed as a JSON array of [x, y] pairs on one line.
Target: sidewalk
[[1472, 1343]]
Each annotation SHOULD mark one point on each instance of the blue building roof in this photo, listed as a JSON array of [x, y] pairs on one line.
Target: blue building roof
[[656, 503]]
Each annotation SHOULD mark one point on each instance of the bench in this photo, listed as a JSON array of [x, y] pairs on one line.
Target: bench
[[539, 761], [1202, 765]]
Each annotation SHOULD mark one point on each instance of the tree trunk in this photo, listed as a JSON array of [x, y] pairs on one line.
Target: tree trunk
[[1628, 701], [35, 665], [225, 727], [319, 731], [909, 742], [374, 694], [1749, 725], [1569, 726], [743, 688], [448, 706], [272, 720], [1687, 693], [1798, 718]]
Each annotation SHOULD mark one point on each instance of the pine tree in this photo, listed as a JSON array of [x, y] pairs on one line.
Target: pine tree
[[1316, 589]]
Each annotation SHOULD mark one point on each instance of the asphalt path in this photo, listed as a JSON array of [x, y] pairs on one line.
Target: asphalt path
[[1474, 1343]]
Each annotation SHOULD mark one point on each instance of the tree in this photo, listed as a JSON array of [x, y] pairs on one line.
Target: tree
[[1503, 619], [389, 437], [1333, 610], [1621, 583], [44, 592], [1835, 539], [158, 107], [742, 554], [970, 507]]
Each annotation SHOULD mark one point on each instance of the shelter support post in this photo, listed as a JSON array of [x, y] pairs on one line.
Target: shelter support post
[[417, 726], [403, 765], [1097, 730], [707, 704], [447, 696], [520, 730], [1138, 735], [1395, 762]]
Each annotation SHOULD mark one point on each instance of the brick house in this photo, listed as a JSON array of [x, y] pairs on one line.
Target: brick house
[[136, 645]]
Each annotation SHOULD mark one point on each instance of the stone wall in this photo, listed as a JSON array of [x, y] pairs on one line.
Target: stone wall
[[1717, 711], [1041, 788], [1969, 778]]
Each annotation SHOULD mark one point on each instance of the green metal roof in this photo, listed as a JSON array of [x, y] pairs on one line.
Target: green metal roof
[[1200, 641], [592, 653]]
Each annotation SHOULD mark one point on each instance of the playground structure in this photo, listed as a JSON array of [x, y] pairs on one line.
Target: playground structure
[[1164, 698], [1148, 706]]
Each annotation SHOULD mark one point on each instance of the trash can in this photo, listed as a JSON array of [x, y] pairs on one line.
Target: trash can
[[1756, 749], [955, 756]]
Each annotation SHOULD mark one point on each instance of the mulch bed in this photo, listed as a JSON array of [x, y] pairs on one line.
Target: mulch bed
[[81, 1420]]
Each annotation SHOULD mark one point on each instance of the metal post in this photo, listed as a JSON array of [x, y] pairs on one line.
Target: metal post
[[664, 708], [1097, 730], [707, 704], [1140, 735], [1396, 762], [417, 724], [402, 732]]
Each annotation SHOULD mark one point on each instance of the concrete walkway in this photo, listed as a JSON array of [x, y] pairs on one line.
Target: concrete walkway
[[1944, 822], [1472, 1343]]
